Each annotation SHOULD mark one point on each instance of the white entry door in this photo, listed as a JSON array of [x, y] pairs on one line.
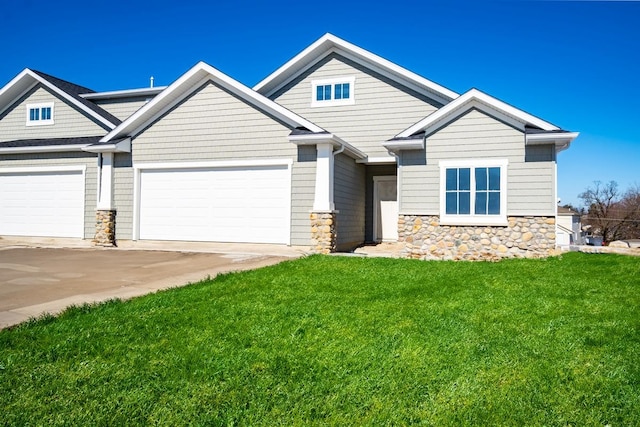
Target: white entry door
[[217, 204], [385, 211]]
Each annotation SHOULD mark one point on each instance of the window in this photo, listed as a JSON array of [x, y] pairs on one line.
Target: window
[[40, 114], [338, 91], [473, 192]]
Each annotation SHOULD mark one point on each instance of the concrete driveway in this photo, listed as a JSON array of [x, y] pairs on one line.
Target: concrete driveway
[[34, 281]]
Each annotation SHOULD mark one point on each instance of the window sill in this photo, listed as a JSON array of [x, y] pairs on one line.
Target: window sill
[[474, 221]]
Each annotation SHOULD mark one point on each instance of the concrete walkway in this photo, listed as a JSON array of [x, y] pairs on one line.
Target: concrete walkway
[[47, 276]]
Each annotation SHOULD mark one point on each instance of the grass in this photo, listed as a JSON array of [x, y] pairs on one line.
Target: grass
[[344, 341]]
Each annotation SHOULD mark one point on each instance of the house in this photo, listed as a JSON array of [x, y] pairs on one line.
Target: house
[[568, 227], [335, 148]]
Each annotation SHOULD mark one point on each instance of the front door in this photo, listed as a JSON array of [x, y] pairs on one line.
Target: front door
[[385, 211]]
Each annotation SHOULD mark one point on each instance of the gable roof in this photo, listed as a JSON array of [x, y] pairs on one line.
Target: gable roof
[[68, 91], [189, 82], [328, 44], [537, 131]]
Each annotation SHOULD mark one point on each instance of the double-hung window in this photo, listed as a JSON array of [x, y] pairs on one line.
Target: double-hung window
[[40, 114], [338, 91], [473, 192]]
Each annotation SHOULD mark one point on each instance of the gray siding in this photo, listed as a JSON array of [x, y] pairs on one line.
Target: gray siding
[[375, 170], [475, 135], [122, 108], [382, 108], [123, 196], [68, 121], [349, 199], [213, 124], [65, 159]]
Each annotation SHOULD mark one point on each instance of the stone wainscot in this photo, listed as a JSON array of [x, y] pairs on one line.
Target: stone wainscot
[[524, 237]]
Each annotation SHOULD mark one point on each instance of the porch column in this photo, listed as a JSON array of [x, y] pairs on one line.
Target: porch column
[[105, 214], [323, 216]]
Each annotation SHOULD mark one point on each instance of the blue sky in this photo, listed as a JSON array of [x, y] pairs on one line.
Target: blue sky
[[573, 63]]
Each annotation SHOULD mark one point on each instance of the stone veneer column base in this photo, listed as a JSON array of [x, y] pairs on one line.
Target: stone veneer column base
[[323, 232], [524, 237], [105, 228]]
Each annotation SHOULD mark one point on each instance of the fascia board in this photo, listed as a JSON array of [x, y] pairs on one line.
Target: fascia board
[[16, 88], [562, 141], [395, 146], [43, 149]]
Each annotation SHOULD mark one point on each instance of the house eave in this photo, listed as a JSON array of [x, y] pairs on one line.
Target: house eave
[[43, 149], [123, 146], [561, 140], [324, 138], [124, 93]]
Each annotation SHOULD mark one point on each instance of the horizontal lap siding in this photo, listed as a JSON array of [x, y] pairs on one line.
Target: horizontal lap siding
[[123, 195], [37, 160], [122, 108], [68, 121], [349, 198], [475, 135], [214, 125], [382, 108]]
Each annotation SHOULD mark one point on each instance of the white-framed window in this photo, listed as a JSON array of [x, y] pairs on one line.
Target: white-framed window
[[338, 91], [473, 192], [40, 114]]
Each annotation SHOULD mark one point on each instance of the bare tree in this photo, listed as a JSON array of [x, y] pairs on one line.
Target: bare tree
[[610, 213]]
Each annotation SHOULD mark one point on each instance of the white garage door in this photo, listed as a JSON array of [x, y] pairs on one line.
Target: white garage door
[[247, 204], [47, 204]]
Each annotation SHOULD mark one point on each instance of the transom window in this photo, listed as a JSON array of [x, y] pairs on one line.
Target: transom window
[[333, 92], [40, 114], [473, 192]]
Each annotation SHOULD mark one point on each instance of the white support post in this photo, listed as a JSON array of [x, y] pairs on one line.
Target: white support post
[[106, 182], [323, 201]]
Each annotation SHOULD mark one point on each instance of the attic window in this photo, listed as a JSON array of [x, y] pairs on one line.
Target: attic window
[[338, 91], [40, 114]]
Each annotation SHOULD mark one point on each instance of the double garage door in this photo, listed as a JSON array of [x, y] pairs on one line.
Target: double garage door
[[42, 203], [223, 204]]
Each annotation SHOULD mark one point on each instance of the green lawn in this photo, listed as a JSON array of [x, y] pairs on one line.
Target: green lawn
[[344, 341]]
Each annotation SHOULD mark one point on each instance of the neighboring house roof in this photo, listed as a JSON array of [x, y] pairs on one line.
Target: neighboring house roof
[[127, 93], [187, 84], [329, 44], [546, 133], [27, 79], [566, 211]]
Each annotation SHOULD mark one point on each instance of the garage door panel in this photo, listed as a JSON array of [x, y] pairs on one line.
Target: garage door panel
[[248, 204], [47, 204]]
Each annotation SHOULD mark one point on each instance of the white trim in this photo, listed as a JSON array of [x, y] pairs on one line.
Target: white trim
[[217, 164], [44, 169], [328, 44], [476, 99], [333, 82], [187, 84], [40, 106], [127, 93], [105, 183], [336, 141], [411, 144], [473, 219], [324, 186], [390, 160], [560, 140], [377, 179], [123, 146], [43, 149]]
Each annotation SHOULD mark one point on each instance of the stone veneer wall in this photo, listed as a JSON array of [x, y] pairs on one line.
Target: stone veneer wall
[[105, 228], [524, 237], [323, 232]]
